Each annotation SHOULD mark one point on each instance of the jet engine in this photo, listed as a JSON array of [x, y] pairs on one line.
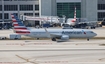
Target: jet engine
[[65, 37]]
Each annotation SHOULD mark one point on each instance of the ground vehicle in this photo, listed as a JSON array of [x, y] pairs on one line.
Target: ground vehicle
[[82, 25], [46, 25], [2, 37]]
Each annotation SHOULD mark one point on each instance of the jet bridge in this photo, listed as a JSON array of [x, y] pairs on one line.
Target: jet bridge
[[40, 20]]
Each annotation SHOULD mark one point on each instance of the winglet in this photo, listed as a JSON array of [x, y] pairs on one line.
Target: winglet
[[75, 13], [49, 35], [83, 31]]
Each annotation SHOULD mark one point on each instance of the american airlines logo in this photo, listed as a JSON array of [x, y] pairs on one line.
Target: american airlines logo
[[71, 32]]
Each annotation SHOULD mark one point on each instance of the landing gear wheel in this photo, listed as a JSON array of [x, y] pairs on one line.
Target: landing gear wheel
[[37, 38], [88, 39], [53, 39]]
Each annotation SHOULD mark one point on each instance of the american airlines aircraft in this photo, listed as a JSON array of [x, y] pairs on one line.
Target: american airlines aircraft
[[61, 34], [72, 21]]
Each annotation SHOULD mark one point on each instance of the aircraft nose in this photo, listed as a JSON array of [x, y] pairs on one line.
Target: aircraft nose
[[95, 34]]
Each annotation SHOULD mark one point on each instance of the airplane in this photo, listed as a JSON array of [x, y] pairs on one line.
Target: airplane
[[54, 34], [73, 22]]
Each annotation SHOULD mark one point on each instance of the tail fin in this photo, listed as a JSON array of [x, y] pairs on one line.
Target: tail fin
[[75, 13], [18, 25], [74, 20]]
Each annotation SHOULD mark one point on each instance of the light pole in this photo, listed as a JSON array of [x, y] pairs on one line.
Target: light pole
[[2, 10]]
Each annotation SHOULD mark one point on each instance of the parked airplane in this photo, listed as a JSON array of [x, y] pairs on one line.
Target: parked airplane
[[76, 21], [72, 21], [61, 34]]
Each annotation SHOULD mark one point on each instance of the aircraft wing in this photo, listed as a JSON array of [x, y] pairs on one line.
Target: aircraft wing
[[52, 35], [62, 37], [55, 35]]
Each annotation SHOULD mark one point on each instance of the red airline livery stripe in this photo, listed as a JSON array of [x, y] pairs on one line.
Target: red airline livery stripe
[[15, 24], [22, 32], [14, 21], [73, 20], [12, 16], [21, 28]]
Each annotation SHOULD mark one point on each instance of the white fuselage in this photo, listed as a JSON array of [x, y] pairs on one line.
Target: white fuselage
[[71, 21], [72, 33]]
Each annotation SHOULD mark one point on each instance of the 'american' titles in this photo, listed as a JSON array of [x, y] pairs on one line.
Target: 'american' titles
[[71, 32]]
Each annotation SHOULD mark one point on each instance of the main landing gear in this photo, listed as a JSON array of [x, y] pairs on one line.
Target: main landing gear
[[37, 38], [53, 39], [88, 39]]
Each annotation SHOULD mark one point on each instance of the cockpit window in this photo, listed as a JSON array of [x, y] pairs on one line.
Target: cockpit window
[[91, 32]]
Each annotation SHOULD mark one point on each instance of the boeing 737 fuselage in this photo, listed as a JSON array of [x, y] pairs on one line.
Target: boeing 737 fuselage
[[63, 34]]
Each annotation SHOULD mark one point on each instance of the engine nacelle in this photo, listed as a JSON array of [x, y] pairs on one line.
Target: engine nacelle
[[65, 37]]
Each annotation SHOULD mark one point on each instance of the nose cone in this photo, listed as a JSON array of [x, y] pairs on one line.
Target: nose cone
[[95, 34]]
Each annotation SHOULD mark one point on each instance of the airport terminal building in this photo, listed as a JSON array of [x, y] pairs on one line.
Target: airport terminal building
[[26, 7], [91, 9]]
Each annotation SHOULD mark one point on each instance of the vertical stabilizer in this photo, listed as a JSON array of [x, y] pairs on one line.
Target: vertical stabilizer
[[75, 13], [19, 27]]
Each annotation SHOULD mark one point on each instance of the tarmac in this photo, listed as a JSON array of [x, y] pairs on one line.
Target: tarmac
[[74, 51]]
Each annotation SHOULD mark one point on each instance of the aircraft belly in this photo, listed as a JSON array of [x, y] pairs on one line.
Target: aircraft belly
[[77, 36], [37, 35]]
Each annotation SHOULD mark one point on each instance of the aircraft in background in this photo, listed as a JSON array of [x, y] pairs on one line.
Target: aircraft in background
[[72, 21], [61, 34], [77, 22]]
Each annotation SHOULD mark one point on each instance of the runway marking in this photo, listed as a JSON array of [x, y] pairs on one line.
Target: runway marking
[[52, 61], [54, 49], [22, 44], [12, 62], [23, 58], [77, 44], [56, 61]]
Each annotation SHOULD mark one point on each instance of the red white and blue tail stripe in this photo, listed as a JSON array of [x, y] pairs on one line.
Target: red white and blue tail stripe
[[74, 20], [19, 27], [75, 13]]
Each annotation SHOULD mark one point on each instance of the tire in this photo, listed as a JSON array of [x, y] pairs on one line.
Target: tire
[[88, 39], [91, 27], [16, 38], [53, 39], [37, 38]]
